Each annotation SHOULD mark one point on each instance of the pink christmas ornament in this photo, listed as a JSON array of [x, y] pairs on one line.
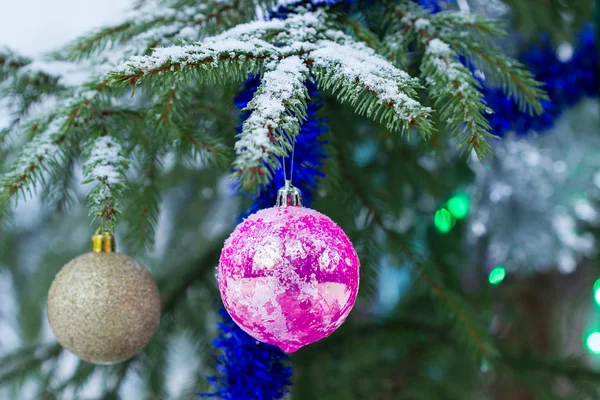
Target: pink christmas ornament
[[288, 276]]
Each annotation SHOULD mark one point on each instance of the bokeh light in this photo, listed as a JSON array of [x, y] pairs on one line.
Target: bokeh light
[[458, 205], [443, 220], [592, 342], [497, 275], [597, 291]]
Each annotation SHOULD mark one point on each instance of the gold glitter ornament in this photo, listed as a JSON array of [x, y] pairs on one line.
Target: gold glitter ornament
[[104, 306]]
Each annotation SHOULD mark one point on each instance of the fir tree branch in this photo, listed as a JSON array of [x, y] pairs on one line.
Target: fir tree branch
[[277, 110], [120, 372], [26, 360], [170, 117], [515, 80], [231, 55], [455, 93], [193, 272], [196, 146], [143, 203], [106, 165], [469, 331], [28, 88], [459, 23], [45, 150], [10, 63], [49, 145], [80, 376], [452, 86]]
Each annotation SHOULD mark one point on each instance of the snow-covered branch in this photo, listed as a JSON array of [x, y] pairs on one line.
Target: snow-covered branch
[[455, 91], [371, 84], [209, 60], [40, 154], [277, 110], [106, 165]]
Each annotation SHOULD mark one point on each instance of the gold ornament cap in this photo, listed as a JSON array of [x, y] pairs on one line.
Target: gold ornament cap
[[103, 242]]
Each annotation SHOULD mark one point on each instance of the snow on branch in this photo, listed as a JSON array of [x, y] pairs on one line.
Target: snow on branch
[[243, 57], [50, 140], [11, 62], [277, 110], [455, 93], [106, 165], [40, 154], [371, 84]]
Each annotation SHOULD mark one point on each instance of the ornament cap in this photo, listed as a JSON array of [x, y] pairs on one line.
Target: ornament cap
[[103, 242], [289, 195]]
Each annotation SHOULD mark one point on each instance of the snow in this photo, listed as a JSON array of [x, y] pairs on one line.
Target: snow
[[438, 47], [105, 162], [422, 24]]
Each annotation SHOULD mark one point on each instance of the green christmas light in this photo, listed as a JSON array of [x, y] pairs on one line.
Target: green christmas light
[[597, 291], [592, 342], [459, 205], [443, 220], [497, 275]]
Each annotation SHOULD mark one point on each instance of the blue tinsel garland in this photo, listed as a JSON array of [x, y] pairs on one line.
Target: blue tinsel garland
[[566, 83], [247, 369]]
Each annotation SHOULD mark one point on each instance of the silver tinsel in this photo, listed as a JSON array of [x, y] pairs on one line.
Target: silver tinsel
[[532, 201]]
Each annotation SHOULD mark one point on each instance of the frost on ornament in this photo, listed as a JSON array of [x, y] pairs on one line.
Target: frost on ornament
[[288, 276]]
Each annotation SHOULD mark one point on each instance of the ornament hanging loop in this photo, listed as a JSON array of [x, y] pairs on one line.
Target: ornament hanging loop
[[103, 242], [289, 195]]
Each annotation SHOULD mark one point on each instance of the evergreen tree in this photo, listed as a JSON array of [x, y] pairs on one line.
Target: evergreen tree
[[188, 117]]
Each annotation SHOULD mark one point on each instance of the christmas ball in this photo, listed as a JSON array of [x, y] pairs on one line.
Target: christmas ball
[[288, 276], [104, 307]]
